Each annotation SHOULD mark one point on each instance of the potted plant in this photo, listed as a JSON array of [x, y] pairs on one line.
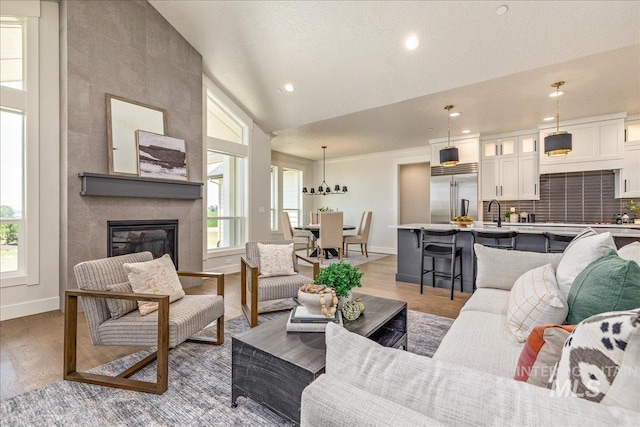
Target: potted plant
[[513, 216], [340, 276], [325, 209], [634, 208]]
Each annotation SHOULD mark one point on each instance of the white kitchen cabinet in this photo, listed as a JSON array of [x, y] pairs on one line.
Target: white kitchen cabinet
[[503, 147], [597, 144], [527, 144], [467, 150], [529, 178], [628, 178], [500, 178]]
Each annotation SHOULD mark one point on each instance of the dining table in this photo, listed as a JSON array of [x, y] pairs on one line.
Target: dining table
[[315, 230]]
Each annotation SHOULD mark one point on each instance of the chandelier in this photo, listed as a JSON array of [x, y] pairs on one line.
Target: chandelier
[[323, 188]]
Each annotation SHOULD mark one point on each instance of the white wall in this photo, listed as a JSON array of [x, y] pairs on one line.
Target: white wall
[[373, 185]]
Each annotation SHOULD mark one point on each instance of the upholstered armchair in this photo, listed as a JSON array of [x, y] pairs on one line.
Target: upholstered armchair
[[276, 287], [167, 327]]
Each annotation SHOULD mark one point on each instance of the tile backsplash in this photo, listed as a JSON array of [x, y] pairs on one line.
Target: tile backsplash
[[576, 197]]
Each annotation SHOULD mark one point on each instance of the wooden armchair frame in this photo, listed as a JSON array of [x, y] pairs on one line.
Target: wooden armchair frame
[[251, 311], [122, 380]]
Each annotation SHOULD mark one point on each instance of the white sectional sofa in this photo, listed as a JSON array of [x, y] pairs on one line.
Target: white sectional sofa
[[469, 380]]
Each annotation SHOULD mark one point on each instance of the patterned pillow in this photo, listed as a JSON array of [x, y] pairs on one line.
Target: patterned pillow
[[601, 360], [158, 276], [276, 260], [541, 352], [120, 307], [535, 300]]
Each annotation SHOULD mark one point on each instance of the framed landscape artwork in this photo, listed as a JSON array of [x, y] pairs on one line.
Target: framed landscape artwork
[[161, 156]]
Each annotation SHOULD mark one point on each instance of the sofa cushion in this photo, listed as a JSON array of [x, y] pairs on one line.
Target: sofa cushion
[[610, 283], [120, 307], [630, 252], [158, 277], [582, 251], [449, 394], [498, 268], [535, 300], [540, 353], [601, 360], [276, 260], [481, 341], [488, 300]]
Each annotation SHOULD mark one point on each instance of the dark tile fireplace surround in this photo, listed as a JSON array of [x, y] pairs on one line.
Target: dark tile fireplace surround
[[156, 236], [576, 197]]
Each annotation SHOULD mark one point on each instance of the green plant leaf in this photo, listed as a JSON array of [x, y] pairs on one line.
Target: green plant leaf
[[340, 276]]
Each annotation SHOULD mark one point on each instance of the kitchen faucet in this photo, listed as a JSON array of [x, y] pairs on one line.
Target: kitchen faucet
[[499, 211]]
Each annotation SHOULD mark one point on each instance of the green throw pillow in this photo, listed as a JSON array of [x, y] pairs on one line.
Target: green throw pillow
[[609, 283]]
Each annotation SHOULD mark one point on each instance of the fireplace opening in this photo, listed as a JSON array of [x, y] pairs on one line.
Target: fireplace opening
[[156, 236]]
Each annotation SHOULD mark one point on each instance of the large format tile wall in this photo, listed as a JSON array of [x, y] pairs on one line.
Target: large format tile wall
[[574, 197], [124, 48]]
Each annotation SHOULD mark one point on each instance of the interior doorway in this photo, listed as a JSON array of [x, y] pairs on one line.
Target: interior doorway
[[414, 183]]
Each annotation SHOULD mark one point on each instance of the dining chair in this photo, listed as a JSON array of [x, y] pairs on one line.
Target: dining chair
[[330, 233], [298, 237], [361, 237], [313, 217]]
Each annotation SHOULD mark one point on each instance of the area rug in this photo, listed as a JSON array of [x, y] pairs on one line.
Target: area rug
[[354, 258], [199, 391]]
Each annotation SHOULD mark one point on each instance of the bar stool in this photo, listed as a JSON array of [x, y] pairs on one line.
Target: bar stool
[[552, 237], [444, 249], [492, 239]]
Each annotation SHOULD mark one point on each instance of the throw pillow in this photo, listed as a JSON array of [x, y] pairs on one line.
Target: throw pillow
[[610, 283], [582, 251], [499, 269], [630, 252], [600, 360], [535, 300], [120, 307], [541, 352], [276, 260], [158, 276]]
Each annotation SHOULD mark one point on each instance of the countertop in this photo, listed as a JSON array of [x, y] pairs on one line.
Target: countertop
[[622, 230]]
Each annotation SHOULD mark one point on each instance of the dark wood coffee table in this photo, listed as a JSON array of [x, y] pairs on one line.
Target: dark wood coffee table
[[273, 366]]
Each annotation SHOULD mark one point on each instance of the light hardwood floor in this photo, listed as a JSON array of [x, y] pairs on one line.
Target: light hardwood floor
[[31, 347]]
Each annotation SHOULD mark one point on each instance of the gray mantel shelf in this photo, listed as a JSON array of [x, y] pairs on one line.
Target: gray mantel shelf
[[95, 184]]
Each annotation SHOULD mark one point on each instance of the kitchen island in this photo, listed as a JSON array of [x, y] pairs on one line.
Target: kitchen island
[[530, 238]]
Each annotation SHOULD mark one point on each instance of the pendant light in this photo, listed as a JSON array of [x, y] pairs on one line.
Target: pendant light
[[323, 188], [449, 155], [557, 143]]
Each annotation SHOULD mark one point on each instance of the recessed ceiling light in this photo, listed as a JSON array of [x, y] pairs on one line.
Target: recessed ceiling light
[[278, 90], [548, 119], [289, 87], [455, 114], [466, 131], [430, 129], [501, 10], [412, 42], [554, 94]]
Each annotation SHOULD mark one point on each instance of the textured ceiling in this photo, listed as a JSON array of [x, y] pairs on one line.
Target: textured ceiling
[[358, 90]]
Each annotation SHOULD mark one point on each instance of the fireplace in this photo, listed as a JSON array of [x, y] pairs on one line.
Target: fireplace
[[156, 236]]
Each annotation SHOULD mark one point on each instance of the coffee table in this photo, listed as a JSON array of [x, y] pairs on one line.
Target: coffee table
[[273, 366]]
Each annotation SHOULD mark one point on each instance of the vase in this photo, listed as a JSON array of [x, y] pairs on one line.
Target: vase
[[350, 311], [342, 300], [513, 218], [310, 301]]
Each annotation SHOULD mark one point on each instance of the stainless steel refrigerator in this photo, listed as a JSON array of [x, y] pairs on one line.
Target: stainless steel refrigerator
[[454, 189]]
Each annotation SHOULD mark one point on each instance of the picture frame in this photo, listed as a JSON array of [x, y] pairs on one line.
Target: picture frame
[[161, 156], [124, 118]]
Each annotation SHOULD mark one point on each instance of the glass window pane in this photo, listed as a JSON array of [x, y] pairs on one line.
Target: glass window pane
[[221, 123], [11, 53], [8, 247], [11, 164], [225, 200], [291, 194]]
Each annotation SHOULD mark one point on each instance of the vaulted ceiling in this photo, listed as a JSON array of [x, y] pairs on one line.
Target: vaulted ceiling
[[358, 90]]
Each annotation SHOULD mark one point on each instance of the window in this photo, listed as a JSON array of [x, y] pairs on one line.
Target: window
[[292, 195], [226, 176], [19, 138], [274, 199]]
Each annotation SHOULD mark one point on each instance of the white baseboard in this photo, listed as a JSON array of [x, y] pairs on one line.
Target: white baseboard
[[381, 250], [227, 269], [28, 308]]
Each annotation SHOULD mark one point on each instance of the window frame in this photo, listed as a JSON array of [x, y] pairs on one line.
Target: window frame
[[27, 101]]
